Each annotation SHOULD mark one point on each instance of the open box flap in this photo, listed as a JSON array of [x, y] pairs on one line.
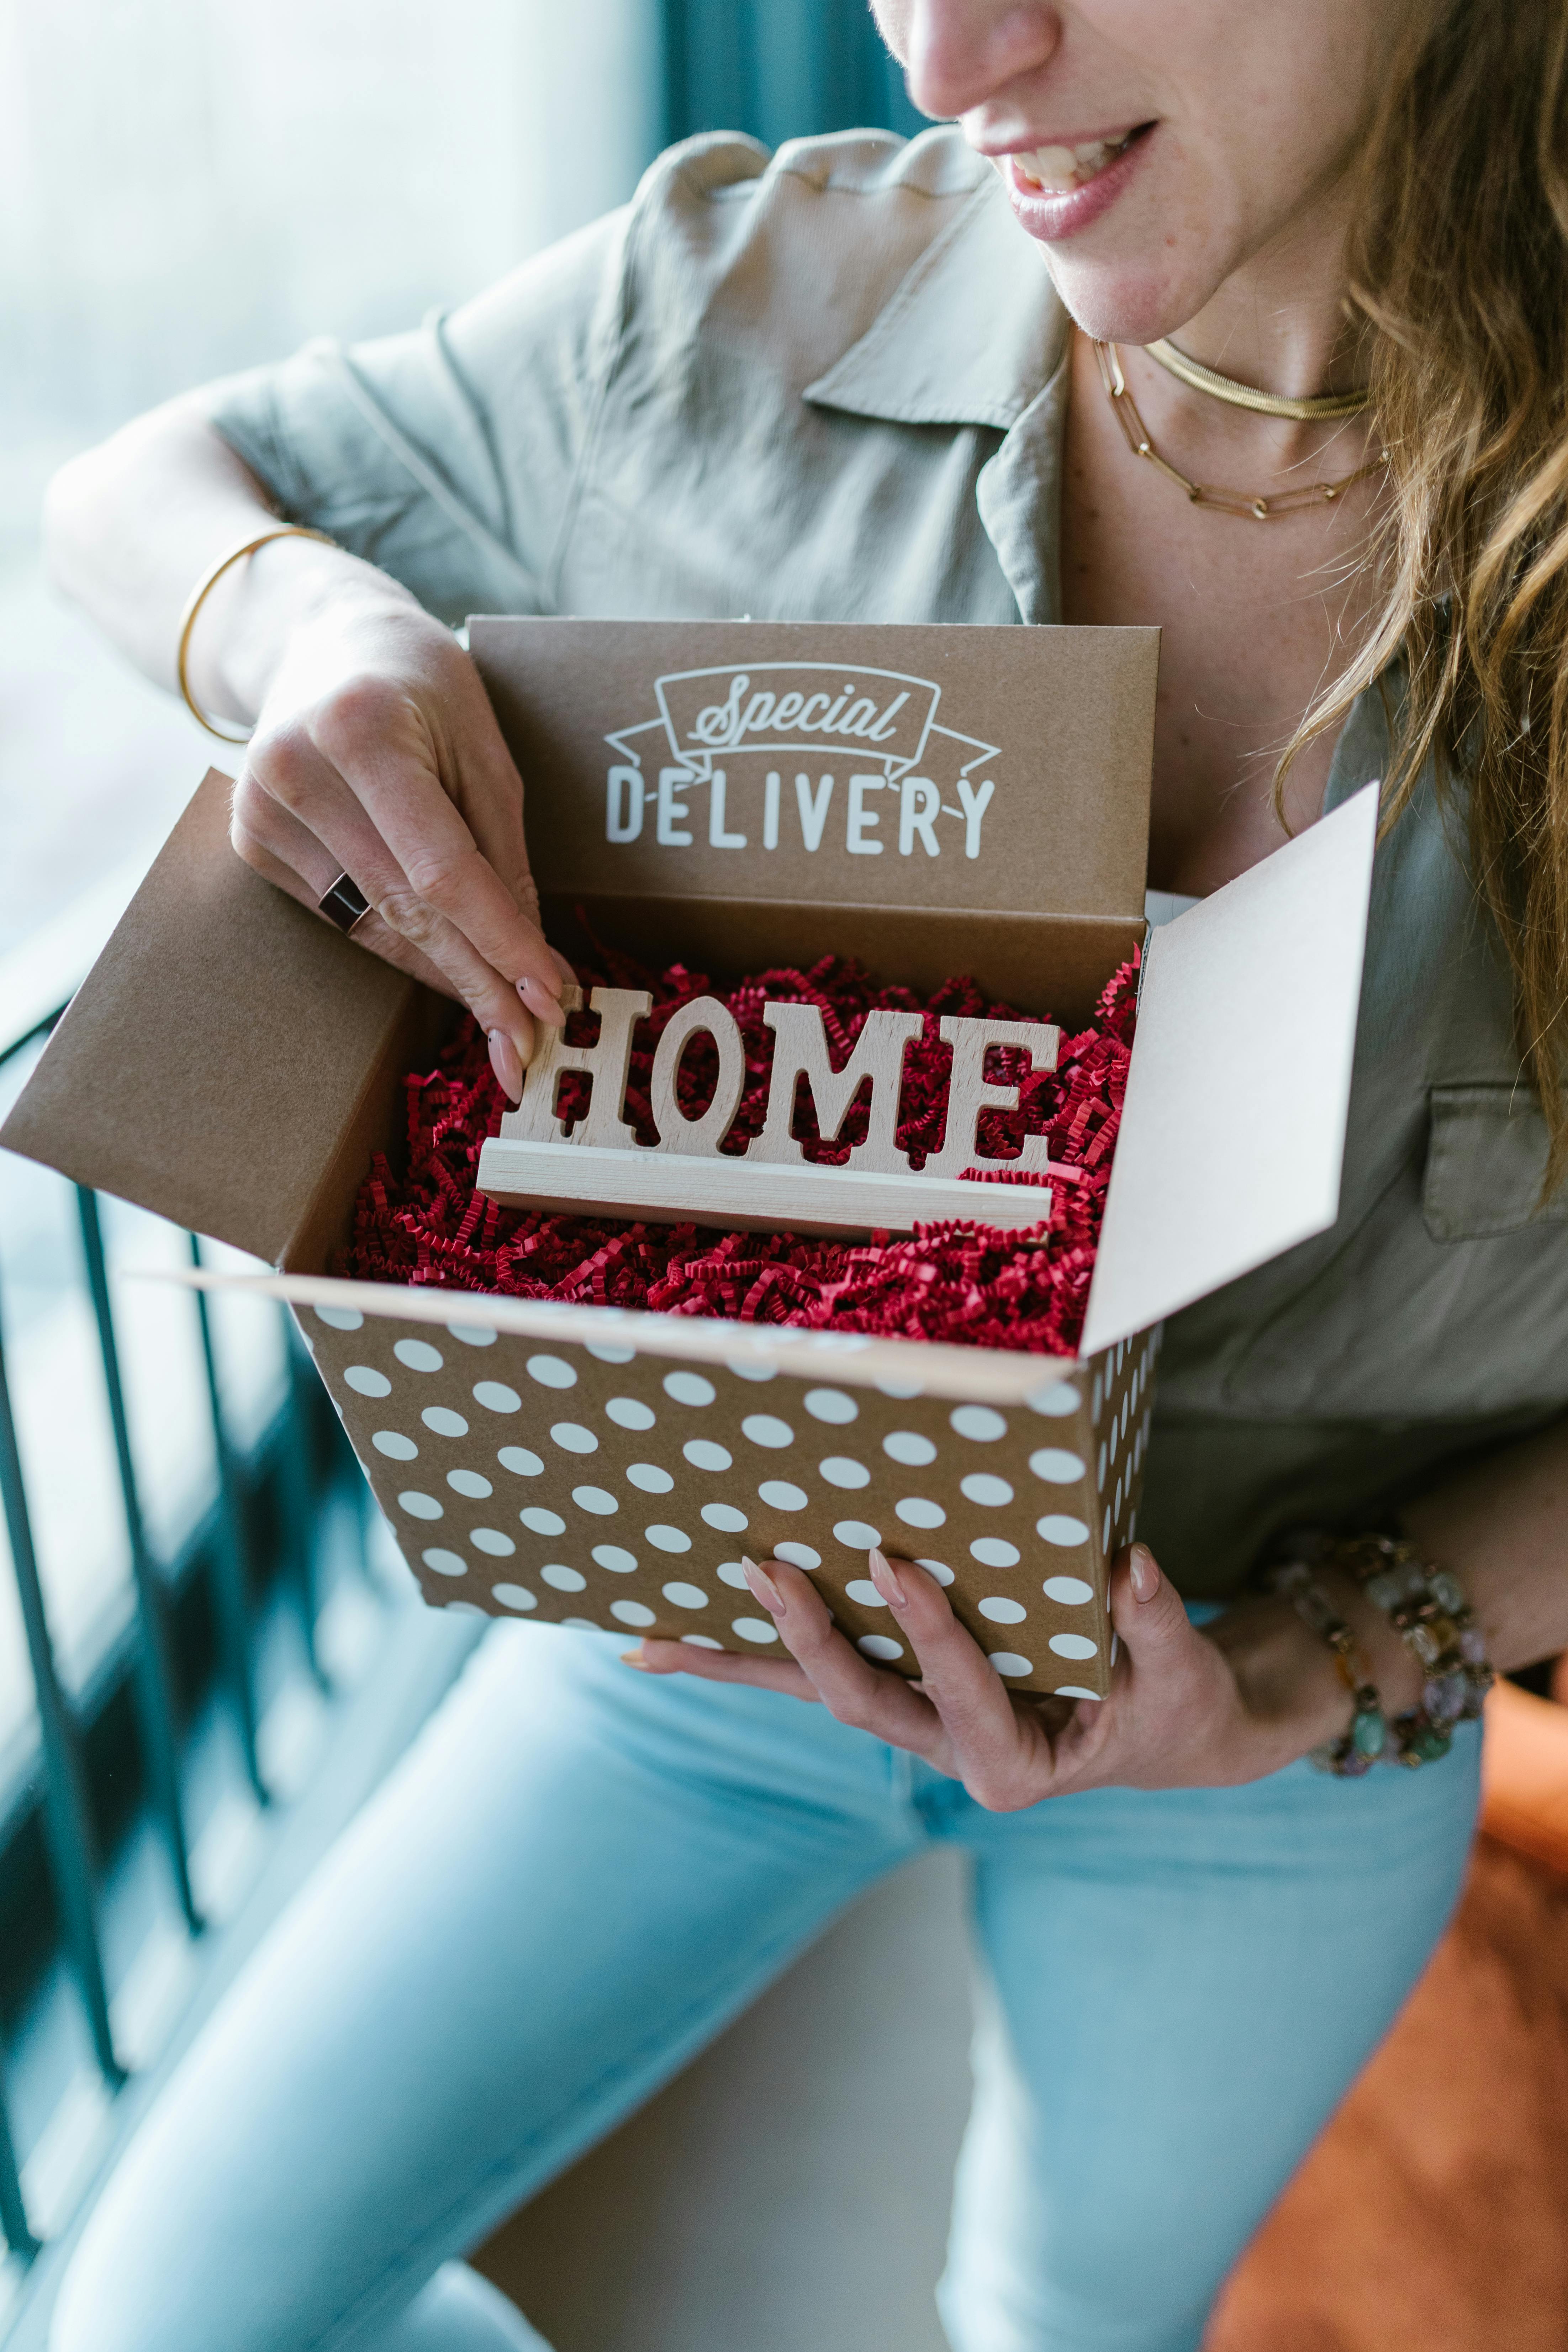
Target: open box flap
[[216, 1054], [951, 769], [1232, 1133]]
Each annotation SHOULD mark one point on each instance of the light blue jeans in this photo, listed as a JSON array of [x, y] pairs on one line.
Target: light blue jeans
[[577, 1874]]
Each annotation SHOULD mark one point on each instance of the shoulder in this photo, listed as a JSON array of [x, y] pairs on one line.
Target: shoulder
[[823, 229]]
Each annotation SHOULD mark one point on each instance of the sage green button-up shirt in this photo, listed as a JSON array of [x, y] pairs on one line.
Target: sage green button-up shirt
[[831, 385]]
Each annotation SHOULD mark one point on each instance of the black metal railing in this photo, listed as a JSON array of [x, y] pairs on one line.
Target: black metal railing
[[189, 1642]]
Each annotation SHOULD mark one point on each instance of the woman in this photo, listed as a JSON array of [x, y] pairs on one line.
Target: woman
[[841, 384]]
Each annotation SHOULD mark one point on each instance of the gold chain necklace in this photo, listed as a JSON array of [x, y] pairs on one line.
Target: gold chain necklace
[[1124, 409]]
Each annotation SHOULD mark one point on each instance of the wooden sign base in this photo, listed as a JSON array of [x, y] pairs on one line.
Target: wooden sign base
[[672, 1188]]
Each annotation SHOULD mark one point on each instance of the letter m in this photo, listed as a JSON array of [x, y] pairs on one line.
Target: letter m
[[800, 1051]]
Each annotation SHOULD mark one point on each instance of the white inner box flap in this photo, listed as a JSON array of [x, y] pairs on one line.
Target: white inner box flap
[[1233, 1134]]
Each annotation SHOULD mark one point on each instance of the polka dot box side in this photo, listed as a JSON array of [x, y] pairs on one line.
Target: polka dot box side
[[591, 1486]]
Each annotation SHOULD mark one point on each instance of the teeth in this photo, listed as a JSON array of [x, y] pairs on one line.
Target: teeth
[[1057, 170]]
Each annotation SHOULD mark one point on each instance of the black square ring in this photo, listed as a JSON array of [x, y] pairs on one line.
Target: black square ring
[[344, 903]]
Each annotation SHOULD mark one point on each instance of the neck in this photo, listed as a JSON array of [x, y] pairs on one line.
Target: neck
[[1279, 323]]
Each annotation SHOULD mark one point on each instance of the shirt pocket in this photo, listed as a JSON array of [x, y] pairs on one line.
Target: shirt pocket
[[1486, 1164], [1447, 1299]]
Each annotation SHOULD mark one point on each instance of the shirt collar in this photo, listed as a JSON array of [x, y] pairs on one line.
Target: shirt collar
[[969, 336]]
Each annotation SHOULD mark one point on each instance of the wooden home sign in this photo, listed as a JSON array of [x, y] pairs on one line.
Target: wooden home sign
[[600, 1166]]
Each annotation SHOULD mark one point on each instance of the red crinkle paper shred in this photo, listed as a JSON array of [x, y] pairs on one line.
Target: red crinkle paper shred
[[950, 1280]]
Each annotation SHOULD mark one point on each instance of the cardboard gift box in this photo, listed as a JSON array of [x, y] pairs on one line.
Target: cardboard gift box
[[932, 800]]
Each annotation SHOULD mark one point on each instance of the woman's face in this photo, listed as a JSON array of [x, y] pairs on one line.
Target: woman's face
[[1153, 147]]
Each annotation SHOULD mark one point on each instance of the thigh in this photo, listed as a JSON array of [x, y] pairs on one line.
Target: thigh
[[574, 1876], [1181, 1986]]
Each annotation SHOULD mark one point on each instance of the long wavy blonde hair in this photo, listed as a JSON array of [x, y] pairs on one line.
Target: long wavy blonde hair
[[1459, 287]]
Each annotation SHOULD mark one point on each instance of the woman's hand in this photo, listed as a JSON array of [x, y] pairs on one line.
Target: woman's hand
[[376, 754], [1187, 1709]]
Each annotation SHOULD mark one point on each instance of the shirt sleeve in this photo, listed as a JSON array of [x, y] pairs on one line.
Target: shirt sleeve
[[449, 456]]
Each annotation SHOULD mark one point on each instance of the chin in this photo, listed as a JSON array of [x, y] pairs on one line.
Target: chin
[[1127, 303]]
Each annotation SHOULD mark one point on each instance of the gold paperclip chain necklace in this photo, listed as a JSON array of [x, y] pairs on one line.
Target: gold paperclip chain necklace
[[1124, 409]]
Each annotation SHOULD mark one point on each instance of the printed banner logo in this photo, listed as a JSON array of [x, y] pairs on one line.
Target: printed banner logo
[[797, 707], [717, 730]]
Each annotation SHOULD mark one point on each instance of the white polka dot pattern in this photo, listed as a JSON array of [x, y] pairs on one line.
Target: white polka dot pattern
[[703, 1454], [906, 1465], [573, 1438], [994, 1551], [767, 1429], [341, 1318], [650, 1479], [880, 1646], [977, 1422], [496, 1397], [471, 1335], [520, 1462], [442, 1422], [832, 1405], [1067, 1592]]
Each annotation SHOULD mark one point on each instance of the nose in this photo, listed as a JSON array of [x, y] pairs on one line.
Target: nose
[[957, 54]]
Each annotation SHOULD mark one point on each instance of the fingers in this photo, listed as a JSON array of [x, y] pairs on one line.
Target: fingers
[[375, 735], [848, 1685], [337, 837], [719, 1666], [997, 1751], [1148, 1613]]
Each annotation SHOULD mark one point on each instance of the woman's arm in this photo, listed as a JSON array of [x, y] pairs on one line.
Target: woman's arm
[[375, 752], [1501, 1525], [1253, 1692]]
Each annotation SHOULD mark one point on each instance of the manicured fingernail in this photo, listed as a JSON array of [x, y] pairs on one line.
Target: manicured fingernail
[[1145, 1573], [507, 1063], [886, 1582], [540, 1004], [635, 1658], [762, 1585]]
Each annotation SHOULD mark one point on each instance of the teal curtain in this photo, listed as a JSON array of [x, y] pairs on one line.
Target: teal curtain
[[779, 68]]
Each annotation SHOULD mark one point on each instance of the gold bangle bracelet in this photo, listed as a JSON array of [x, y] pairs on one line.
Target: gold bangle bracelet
[[198, 597]]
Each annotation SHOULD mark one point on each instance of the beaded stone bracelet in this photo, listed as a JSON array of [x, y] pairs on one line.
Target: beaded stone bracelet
[[1356, 1751], [1427, 1606]]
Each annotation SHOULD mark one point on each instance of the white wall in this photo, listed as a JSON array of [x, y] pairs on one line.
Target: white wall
[[188, 186]]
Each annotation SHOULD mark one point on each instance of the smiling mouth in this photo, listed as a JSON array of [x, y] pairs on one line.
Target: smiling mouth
[[1058, 171]]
